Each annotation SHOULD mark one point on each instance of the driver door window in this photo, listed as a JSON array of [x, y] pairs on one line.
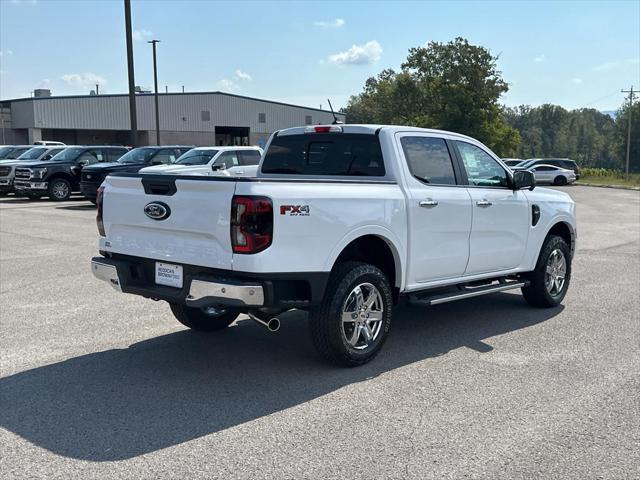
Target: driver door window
[[228, 159], [90, 157], [482, 169], [164, 157]]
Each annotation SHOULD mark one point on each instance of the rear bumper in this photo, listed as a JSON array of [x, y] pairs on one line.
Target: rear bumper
[[205, 286]]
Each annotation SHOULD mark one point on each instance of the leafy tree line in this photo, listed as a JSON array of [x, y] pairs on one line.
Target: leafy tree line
[[456, 86], [590, 137]]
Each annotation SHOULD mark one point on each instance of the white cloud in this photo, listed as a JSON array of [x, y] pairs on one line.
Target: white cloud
[[539, 58], [368, 53], [240, 75], [228, 85], [139, 35], [335, 23], [83, 80], [576, 80], [603, 67]]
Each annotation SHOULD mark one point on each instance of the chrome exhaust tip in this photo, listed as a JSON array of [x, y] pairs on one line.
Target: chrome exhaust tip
[[272, 324]]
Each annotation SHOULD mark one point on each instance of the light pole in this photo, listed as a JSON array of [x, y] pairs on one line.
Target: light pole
[[155, 82], [132, 83]]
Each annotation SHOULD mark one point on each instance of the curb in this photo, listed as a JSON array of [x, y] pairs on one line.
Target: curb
[[619, 187]]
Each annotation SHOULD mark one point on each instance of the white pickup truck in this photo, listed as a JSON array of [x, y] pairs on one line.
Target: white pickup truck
[[341, 221]]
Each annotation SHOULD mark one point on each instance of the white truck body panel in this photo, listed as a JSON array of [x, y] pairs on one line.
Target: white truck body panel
[[196, 232]]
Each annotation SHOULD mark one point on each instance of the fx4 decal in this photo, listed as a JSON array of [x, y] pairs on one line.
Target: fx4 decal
[[294, 210]]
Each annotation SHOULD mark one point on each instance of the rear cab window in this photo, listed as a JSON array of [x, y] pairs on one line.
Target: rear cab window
[[325, 154], [249, 157]]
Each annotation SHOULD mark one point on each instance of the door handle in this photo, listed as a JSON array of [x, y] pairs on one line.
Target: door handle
[[429, 202], [484, 203]]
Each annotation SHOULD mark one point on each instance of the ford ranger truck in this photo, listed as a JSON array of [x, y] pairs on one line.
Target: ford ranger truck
[[342, 221]]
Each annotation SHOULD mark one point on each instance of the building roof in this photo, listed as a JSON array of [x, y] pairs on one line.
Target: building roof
[[160, 94]]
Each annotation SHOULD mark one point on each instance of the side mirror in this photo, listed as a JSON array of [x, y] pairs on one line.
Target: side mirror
[[217, 166], [523, 179]]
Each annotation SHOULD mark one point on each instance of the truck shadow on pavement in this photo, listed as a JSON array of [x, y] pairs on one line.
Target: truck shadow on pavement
[[121, 403]]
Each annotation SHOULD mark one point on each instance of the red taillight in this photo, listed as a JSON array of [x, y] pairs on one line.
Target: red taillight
[[251, 224], [99, 214]]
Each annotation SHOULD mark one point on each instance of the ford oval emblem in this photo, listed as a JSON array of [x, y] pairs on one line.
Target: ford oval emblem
[[157, 210]]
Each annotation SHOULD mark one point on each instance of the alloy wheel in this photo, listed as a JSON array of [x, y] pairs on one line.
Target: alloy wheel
[[362, 315]]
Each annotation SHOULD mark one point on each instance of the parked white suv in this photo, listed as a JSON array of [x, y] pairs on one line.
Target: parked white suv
[[218, 161], [341, 221]]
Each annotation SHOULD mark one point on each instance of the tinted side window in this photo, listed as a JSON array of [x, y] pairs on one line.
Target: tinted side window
[[90, 156], [544, 169], [229, 159], [249, 157], [429, 159], [164, 157], [346, 154], [482, 169], [115, 154]]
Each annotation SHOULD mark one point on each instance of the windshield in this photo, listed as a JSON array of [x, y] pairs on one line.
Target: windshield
[[137, 155], [68, 154], [4, 151], [32, 154], [196, 157], [16, 152]]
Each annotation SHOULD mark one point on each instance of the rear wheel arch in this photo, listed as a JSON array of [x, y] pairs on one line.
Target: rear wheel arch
[[375, 250]]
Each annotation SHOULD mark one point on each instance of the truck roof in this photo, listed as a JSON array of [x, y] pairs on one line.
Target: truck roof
[[372, 129]]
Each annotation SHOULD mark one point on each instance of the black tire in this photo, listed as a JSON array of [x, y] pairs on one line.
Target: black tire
[[198, 319], [59, 190], [537, 294], [325, 320], [560, 180]]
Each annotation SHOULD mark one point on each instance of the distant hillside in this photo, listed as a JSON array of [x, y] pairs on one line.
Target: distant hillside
[[611, 113]]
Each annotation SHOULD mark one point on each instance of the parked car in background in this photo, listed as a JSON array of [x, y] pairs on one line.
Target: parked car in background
[[557, 162], [11, 152], [58, 177], [7, 167], [132, 161], [219, 161], [552, 175], [511, 162], [48, 142]]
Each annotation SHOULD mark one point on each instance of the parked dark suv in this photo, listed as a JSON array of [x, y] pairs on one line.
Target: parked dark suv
[[93, 175], [556, 162], [58, 177]]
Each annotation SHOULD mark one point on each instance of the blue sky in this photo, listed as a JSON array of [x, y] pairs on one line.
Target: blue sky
[[575, 54]]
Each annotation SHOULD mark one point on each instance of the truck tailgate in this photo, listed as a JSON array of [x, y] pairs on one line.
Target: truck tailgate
[[194, 230]]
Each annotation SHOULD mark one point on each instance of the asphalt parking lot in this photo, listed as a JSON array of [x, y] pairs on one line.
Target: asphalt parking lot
[[96, 384]]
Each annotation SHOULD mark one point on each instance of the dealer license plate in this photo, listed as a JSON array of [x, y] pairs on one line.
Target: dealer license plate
[[169, 274]]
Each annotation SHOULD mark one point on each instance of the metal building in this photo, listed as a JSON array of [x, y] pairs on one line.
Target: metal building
[[203, 118]]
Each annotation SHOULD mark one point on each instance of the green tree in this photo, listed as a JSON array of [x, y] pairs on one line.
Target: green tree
[[452, 86], [620, 136]]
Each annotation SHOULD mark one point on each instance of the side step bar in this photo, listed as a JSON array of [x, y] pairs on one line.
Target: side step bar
[[466, 292]]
